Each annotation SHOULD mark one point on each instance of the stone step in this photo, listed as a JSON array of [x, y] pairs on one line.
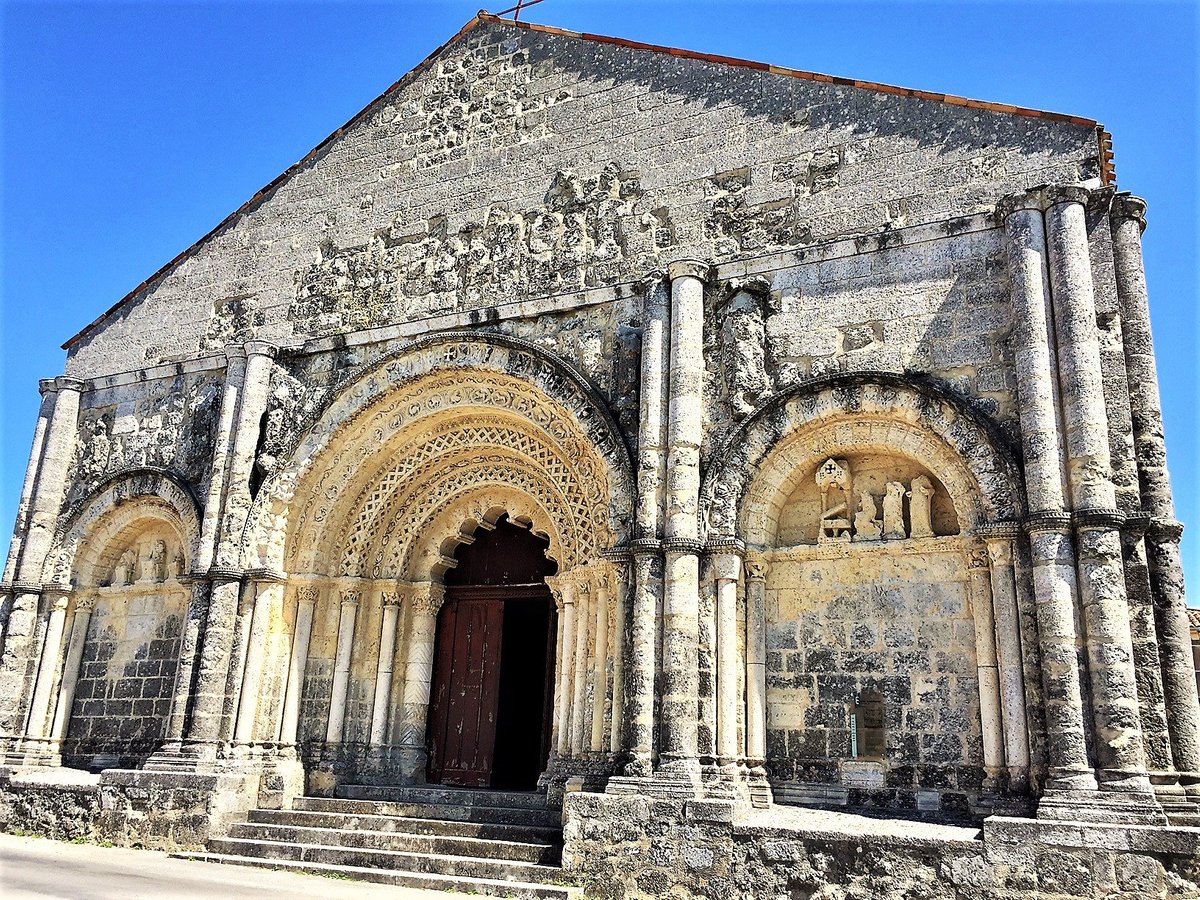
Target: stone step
[[407, 825], [441, 845], [422, 863], [425, 881], [492, 815], [450, 796]]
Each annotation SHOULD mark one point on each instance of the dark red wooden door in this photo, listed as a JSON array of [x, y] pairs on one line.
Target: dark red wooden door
[[463, 723]]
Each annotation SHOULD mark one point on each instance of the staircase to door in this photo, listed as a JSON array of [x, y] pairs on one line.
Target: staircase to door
[[493, 843]]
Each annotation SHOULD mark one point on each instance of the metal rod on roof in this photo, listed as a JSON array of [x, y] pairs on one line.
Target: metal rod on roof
[[516, 10]]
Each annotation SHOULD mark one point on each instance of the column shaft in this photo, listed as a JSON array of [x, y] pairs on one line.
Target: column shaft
[[756, 663], [341, 665], [383, 670], [70, 676], [189, 647], [1119, 752], [23, 630], [643, 654], [306, 600], [228, 503], [646, 583], [237, 657], [1162, 548], [566, 667], [681, 589], [426, 600], [619, 642], [991, 720], [252, 678], [235, 377], [556, 725], [579, 711], [728, 569], [49, 666], [1009, 660], [1051, 547], [600, 679]]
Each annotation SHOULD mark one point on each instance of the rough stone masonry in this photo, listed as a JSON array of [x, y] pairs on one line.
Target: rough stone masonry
[[832, 405]]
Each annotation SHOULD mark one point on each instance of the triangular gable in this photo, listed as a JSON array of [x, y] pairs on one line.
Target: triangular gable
[[1104, 150]]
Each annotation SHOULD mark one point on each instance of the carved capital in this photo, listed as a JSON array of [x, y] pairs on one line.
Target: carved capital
[[563, 589], [260, 348], [756, 567], [427, 598], [648, 283], [1058, 194], [64, 383], [999, 551], [391, 599], [1014, 203], [85, 604], [1165, 531], [689, 268], [727, 566], [977, 556], [307, 594], [351, 597], [57, 599], [1126, 206]]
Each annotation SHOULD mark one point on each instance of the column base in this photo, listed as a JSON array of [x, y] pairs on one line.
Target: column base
[[1108, 807], [743, 785], [1190, 782], [183, 756]]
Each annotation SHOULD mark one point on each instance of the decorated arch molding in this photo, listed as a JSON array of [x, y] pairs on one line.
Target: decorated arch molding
[[409, 434], [757, 466], [117, 504]]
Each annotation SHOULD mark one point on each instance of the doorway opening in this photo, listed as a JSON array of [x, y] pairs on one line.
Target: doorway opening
[[492, 693]]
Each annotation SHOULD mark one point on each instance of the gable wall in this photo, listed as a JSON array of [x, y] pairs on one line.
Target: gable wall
[[525, 164]]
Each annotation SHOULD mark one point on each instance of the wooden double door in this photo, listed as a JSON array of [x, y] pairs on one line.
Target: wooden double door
[[490, 716]]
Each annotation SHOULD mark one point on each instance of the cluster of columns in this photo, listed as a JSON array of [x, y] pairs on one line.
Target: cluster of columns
[[407, 731], [999, 667], [26, 610], [589, 676], [1074, 527], [667, 555]]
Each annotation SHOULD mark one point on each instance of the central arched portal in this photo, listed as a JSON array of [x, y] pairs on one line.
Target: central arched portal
[[492, 696]]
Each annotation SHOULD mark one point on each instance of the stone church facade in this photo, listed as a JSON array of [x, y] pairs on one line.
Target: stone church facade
[[688, 440]]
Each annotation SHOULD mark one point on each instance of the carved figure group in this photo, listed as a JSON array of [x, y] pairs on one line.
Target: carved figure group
[[840, 523], [154, 564]]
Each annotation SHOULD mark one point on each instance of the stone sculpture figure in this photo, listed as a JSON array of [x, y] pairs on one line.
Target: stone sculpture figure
[[127, 568], [866, 523], [835, 517], [743, 353], [893, 512], [920, 495], [158, 561]]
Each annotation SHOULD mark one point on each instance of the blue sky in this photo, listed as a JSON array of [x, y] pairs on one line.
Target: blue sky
[[130, 130]]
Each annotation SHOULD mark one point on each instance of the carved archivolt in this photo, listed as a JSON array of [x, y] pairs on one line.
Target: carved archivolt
[[94, 543], [765, 460], [419, 435]]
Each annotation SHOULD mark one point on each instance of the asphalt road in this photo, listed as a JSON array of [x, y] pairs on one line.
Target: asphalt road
[[38, 868]]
